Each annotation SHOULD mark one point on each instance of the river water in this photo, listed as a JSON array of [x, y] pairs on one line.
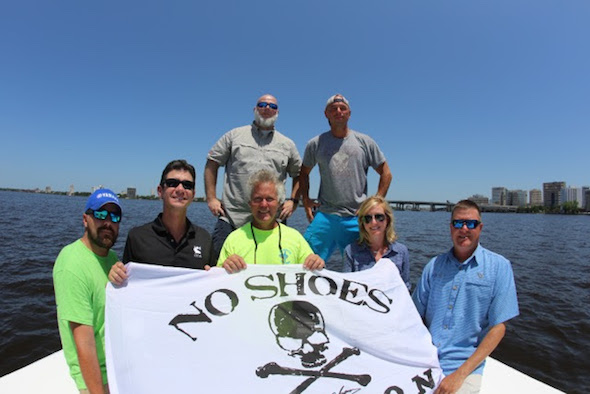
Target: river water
[[550, 255]]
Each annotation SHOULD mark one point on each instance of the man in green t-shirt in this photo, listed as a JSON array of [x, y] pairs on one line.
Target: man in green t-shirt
[[264, 240], [79, 278]]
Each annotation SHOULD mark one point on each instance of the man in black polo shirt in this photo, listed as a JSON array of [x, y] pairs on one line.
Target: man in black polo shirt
[[171, 239]]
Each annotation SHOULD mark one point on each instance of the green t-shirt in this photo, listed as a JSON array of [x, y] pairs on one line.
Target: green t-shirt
[[80, 279], [295, 248]]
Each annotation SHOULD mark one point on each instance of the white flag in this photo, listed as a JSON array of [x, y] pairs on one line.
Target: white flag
[[267, 329]]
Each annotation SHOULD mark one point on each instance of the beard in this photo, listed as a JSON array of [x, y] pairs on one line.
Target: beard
[[265, 122], [103, 237]]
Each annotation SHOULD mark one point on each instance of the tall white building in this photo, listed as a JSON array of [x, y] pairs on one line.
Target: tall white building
[[572, 194]]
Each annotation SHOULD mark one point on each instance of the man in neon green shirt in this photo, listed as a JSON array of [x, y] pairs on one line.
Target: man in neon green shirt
[[264, 240], [79, 278]]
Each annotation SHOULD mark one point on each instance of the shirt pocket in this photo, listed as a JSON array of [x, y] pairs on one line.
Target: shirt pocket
[[246, 159], [478, 293], [277, 159]]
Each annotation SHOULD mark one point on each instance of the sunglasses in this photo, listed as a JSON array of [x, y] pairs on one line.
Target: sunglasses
[[471, 224], [378, 217], [264, 104], [173, 182], [102, 215]]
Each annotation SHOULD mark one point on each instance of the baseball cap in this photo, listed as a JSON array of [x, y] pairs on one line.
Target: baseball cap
[[337, 98], [101, 197]]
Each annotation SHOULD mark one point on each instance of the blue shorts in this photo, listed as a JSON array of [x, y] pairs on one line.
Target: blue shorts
[[326, 232]]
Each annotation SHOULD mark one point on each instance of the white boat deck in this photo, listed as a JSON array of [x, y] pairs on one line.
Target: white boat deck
[[50, 375]]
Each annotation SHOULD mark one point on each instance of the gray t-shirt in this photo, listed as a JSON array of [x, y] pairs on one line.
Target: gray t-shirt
[[343, 166], [244, 151]]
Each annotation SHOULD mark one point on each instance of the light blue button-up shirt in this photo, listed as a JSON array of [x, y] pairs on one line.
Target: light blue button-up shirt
[[460, 302]]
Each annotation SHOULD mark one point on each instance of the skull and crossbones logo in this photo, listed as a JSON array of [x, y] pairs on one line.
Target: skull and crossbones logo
[[299, 329]]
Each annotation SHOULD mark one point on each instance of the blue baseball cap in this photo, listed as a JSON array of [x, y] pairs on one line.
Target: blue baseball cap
[[101, 197]]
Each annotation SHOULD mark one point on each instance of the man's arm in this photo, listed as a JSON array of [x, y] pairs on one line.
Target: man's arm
[[87, 357], [213, 202], [304, 187], [289, 206], [454, 381], [385, 178], [295, 193]]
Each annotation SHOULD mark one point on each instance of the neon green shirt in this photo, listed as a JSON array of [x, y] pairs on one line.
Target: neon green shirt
[[295, 248], [80, 279]]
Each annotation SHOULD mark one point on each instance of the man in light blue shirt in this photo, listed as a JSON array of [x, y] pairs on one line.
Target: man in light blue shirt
[[465, 297]]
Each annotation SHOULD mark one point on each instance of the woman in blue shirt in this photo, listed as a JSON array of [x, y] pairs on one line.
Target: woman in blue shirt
[[377, 240]]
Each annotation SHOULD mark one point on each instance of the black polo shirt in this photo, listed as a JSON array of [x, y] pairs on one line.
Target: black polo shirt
[[153, 244]]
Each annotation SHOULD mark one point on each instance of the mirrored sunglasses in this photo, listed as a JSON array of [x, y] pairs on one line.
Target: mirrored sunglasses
[[103, 214], [471, 224], [264, 104]]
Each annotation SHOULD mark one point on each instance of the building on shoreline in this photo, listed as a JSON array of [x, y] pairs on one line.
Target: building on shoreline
[[552, 194], [131, 193], [499, 195], [572, 194], [479, 199], [535, 198], [517, 198]]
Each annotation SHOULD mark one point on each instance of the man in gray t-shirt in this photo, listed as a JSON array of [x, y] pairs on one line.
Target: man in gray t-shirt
[[244, 151], [344, 157]]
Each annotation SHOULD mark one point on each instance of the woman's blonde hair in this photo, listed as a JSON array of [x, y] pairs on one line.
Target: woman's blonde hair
[[365, 207]]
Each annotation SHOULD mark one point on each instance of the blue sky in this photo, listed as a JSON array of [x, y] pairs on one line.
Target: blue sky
[[460, 95]]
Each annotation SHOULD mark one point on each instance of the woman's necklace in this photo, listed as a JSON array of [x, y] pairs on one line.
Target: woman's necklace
[[375, 252]]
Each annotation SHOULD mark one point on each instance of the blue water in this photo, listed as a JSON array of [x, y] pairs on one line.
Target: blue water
[[550, 256]]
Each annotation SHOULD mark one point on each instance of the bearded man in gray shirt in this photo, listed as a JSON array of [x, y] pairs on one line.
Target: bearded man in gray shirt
[[244, 151], [344, 157]]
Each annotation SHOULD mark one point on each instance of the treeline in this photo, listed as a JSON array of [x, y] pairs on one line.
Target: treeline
[[567, 208]]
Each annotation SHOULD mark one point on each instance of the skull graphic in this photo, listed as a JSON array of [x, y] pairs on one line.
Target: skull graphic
[[299, 329]]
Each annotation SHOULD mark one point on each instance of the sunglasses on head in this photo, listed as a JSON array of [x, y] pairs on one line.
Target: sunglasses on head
[[471, 224], [378, 217], [264, 104], [173, 182], [103, 214]]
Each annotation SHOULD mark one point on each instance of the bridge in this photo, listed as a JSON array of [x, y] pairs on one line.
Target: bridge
[[444, 206], [417, 205]]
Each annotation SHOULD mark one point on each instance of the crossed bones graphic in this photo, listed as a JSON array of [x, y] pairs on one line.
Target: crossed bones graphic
[[273, 368]]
